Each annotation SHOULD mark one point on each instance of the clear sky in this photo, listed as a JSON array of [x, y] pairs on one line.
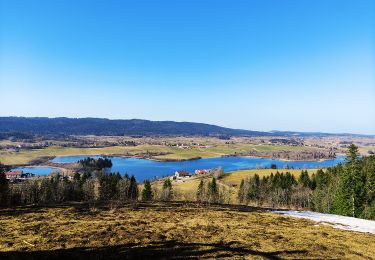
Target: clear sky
[[251, 64]]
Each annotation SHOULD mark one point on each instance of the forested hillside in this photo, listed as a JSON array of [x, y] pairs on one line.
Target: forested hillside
[[347, 189], [21, 126], [100, 126]]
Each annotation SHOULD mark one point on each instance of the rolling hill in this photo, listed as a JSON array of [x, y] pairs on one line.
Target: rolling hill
[[102, 126]]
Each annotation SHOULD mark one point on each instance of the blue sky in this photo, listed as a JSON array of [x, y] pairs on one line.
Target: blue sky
[[251, 64]]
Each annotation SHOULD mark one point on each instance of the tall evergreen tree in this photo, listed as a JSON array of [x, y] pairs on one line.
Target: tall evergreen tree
[[133, 189], [253, 188], [241, 192], [3, 186], [213, 191], [369, 171], [350, 194], [200, 192], [304, 179], [147, 191]]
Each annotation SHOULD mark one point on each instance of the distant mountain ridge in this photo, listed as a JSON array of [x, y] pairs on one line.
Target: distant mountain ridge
[[102, 126]]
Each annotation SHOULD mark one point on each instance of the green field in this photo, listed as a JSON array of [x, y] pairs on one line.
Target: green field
[[171, 230]]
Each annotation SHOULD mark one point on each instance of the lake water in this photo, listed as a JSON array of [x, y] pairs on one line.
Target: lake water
[[37, 170], [143, 169]]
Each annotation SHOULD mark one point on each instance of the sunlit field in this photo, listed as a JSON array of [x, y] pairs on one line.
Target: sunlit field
[[171, 230]]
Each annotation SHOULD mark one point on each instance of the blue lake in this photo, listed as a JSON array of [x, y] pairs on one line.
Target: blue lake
[[143, 169], [37, 170]]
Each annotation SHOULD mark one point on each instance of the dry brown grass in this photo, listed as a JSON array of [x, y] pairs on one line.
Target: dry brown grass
[[171, 230], [185, 190]]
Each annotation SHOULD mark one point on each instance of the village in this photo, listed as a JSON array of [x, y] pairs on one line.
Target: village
[[181, 175], [18, 175], [14, 176]]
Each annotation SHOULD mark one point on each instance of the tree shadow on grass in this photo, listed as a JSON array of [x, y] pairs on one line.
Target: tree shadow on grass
[[178, 206], [84, 208], [160, 250]]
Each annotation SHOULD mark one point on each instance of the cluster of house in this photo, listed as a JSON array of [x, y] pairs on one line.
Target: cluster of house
[[18, 175], [63, 175], [13, 176], [183, 174]]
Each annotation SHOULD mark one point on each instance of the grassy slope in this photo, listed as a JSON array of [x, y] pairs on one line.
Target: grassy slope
[[235, 177], [186, 189], [25, 156], [172, 230]]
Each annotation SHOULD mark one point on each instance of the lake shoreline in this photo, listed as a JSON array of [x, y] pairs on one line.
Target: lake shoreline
[[144, 168]]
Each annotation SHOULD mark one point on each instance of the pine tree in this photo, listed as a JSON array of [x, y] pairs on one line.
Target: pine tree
[[253, 188], [147, 191], [350, 195], [133, 189], [304, 179], [3, 186], [200, 192], [213, 192], [241, 192], [369, 171]]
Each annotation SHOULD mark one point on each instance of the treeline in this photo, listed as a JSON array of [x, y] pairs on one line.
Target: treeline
[[276, 190], [347, 189], [59, 189], [92, 184]]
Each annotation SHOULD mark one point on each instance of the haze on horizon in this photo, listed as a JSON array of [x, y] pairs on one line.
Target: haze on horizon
[[256, 65]]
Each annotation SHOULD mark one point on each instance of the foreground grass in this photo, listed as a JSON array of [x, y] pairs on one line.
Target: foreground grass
[[171, 230], [174, 153]]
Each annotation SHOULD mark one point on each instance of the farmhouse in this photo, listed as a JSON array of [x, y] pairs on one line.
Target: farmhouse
[[13, 175], [181, 174], [201, 171]]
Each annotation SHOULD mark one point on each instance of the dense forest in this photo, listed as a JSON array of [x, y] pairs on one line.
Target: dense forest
[[24, 126], [347, 189], [101, 126]]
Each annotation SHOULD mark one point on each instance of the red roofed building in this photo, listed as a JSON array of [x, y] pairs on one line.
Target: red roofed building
[[181, 174], [13, 175], [201, 171]]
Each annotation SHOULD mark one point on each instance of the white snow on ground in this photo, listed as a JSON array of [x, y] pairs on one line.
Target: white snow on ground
[[337, 221]]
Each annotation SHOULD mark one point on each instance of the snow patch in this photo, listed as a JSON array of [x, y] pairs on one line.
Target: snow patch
[[337, 221]]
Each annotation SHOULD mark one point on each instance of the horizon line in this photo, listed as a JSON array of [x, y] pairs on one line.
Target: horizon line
[[212, 124]]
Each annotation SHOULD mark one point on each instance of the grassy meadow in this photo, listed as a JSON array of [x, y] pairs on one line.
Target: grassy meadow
[[234, 178], [185, 190], [173, 230]]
